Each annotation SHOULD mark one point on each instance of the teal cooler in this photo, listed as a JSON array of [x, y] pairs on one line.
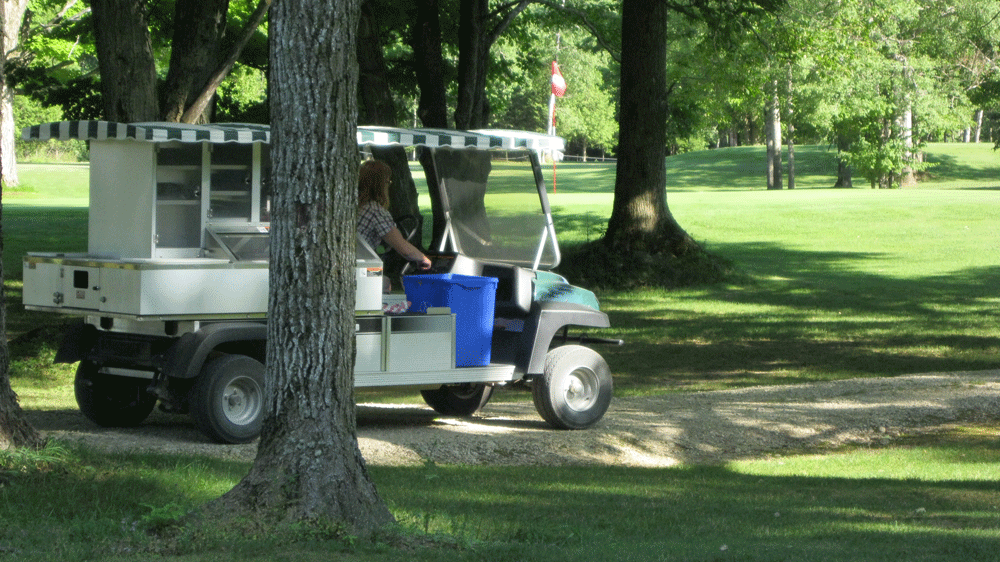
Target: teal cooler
[[471, 299]]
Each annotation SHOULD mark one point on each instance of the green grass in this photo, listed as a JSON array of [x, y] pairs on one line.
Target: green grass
[[930, 498], [838, 283]]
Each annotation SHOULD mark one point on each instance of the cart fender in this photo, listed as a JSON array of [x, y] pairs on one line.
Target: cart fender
[[545, 320], [186, 357], [78, 339]]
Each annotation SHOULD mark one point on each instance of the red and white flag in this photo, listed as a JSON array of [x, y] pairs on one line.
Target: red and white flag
[[558, 83]]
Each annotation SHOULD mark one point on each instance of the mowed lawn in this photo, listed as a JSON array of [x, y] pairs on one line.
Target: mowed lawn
[[831, 284]]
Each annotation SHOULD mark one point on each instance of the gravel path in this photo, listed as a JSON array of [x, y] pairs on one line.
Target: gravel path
[[704, 427]]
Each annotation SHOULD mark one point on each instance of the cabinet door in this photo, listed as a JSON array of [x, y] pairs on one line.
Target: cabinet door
[[178, 200], [232, 183]]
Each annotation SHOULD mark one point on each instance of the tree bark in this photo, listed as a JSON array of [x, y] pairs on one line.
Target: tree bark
[[15, 431], [774, 139], [375, 103], [432, 106], [206, 96], [376, 107], [908, 179], [11, 15], [125, 59], [471, 106], [199, 26], [478, 30], [790, 125], [844, 171], [308, 465], [640, 220]]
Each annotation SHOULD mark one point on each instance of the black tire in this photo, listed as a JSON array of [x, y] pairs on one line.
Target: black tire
[[458, 399], [575, 389], [109, 400], [227, 400]]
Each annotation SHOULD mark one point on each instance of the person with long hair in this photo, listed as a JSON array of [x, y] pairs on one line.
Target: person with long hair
[[375, 223]]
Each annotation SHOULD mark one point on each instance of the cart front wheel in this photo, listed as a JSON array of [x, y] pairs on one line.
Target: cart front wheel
[[458, 399], [227, 400], [109, 400], [574, 391]]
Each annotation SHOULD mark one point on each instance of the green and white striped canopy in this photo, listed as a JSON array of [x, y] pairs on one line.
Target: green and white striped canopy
[[248, 133], [148, 132]]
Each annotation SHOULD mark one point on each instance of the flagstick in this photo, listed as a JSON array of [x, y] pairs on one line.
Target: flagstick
[[552, 132]]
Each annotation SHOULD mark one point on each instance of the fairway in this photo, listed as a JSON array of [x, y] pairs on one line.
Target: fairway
[[831, 284]]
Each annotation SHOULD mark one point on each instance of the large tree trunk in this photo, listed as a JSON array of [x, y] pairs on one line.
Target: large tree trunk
[[376, 107], [308, 465], [640, 220], [125, 59], [432, 106], [472, 109], [15, 431], [11, 15], [375, 103], [479, 29], [199, 26]]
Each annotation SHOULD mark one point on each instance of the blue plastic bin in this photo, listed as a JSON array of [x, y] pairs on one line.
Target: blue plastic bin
[[471, 299]]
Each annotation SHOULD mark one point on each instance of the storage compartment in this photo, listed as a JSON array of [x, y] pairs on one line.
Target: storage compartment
[[471, 299], [420, 343]]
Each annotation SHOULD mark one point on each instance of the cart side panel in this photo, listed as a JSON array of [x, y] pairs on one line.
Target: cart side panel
[[121, 199]]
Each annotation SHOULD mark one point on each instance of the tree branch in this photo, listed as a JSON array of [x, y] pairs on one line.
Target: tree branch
[[615, 54], [192, 113], [504, 23]]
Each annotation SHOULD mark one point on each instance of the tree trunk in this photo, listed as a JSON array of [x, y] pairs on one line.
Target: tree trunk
[[473, 54], [640, 220], [199, 26], [790, 124], [478, 30], [979, 125], [773, 126], [908, 179], [308, 465], [15, 431], [12, 13], [432, 107], [125, 59], [375, 103], [376, 107], [844, 172]]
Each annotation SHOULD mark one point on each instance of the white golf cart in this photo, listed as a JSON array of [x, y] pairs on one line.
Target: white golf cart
[[173, 286]]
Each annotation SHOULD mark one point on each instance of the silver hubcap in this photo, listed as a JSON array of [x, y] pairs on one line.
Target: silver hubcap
[[241, 401], [581, 389]]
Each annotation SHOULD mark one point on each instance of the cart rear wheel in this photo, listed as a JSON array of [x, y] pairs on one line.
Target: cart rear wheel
[[109, 400], [575, 389], [227, 400], [458, 399]]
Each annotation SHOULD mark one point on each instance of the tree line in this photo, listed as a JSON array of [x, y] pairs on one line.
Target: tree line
[[876, 80]]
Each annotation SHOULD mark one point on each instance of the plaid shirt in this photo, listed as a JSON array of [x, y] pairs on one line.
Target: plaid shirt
[[374, 222]]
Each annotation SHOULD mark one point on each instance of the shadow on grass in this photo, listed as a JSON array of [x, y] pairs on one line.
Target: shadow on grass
[[945, 167], [807, 316], [697, 513]]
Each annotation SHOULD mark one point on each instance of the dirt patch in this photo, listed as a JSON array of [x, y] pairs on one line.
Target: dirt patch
[[696, 428]]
